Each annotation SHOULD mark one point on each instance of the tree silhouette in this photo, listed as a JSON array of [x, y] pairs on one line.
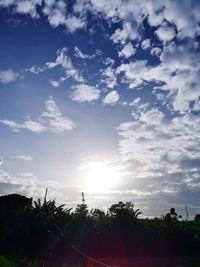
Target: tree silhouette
[[124, 212], [43, 230]]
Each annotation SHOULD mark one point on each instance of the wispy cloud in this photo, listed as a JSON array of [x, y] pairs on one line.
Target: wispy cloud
[[22, 157], [79, 54], [28, 184], [51, 120], [65, 63], [109, 76]]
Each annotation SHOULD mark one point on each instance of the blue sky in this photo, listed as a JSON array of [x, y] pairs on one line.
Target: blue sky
[[101, 97]]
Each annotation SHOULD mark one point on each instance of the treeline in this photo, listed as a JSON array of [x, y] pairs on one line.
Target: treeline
[[42, 230]]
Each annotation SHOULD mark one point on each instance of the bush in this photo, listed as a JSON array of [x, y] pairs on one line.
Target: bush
[[5, 262]]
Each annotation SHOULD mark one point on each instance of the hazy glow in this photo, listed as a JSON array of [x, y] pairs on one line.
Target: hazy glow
[[101, 177]]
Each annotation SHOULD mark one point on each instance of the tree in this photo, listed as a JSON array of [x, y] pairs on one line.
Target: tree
[[197, 218], [124, 212]]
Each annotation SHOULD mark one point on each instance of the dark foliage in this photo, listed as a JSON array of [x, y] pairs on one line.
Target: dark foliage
[[41, 230]]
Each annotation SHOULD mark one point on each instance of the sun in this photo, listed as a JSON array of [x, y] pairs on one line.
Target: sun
[[100, 177]]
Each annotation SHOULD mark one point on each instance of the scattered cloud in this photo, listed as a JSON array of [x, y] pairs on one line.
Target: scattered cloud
[[65, 63], [74, 23], [28, 7], [54, 83], [51, 120], [55, 12], [8, 76], [127, 51], [36, 69], [159, 147], [178, 61], [165, 33], [156, 51], [146, 44], [135, 101], [124, 34], [84, 93], [23, 183], [111, 98], [80, 54], [131, 15], [109, 76], [109, 61]]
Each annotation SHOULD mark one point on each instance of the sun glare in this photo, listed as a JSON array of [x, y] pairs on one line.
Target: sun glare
[[101, 177]]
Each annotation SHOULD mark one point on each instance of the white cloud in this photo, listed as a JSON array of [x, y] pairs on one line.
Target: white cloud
[[124, 34], [51, 120], [33, 126], [80, 54], [135, 101], [7, 76], [130, 14], [177, 74], [154, 12], [84, 93], [54, 120], [73, 23], [30, 125], [65, 63], [165, 33], [36, 69], [109, 61], [133, 72], [156, 145], [111, 98], [184, 16], [30, 187], [22, 157], [28, 7], [156, 51], [127, 51], [1, 161], [6, 3], [109, 76], [56, 12], [54, 83], [146, 44]]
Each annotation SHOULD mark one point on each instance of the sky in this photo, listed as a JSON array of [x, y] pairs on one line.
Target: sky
[[101, 97]]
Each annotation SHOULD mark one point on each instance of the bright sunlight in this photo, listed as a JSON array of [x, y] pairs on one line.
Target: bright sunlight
[[101, 177]]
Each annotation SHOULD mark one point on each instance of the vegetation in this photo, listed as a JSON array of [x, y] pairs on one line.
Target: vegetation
[[5, 262], [40, 231]]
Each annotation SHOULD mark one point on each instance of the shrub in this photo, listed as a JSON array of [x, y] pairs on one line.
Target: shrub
[[5, 262]]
